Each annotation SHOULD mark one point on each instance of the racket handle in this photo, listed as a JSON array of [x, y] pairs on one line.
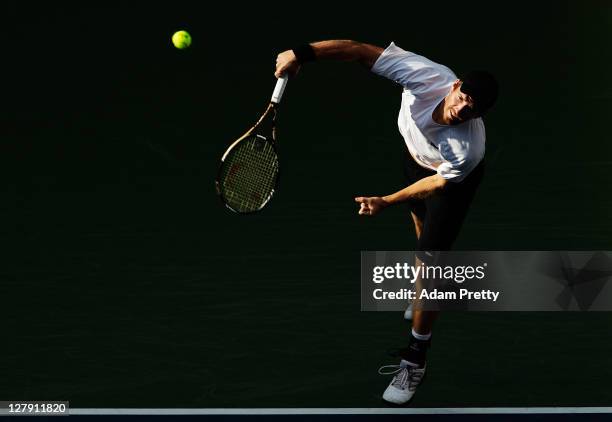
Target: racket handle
[[281, 83]]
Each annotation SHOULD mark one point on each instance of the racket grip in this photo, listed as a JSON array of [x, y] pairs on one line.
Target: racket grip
[[279, 89]]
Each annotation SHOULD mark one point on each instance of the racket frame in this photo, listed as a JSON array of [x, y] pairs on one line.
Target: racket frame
[[279, 90], [272, 108]]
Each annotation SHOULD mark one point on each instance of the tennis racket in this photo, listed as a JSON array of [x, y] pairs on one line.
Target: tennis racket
[[248, 173]]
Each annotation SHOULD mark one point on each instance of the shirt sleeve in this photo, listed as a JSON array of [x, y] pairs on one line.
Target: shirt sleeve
[[455, 165], [459, 160], [415, 73]]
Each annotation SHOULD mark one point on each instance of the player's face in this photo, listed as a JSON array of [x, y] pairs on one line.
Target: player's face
[[458, 107]]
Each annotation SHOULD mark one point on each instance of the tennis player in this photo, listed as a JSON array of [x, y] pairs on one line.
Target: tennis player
[[440, 121]]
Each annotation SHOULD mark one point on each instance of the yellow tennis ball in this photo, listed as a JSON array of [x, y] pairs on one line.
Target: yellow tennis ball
[[181, 39]]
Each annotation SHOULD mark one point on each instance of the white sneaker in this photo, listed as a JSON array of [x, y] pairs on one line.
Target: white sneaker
[[408, 312], [407, 378]]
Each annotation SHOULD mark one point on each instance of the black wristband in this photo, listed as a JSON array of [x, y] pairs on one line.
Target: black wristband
[[304, 53]]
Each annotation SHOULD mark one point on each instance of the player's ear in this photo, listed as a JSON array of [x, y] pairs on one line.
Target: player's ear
[[456, 84]]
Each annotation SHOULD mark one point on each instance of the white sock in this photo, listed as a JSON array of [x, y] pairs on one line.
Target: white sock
[[422, 337]]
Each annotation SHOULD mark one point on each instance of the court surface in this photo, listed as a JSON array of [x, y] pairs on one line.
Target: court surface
[[125, 283]]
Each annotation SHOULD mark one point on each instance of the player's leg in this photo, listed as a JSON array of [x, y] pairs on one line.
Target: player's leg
[[418, 227], [418, 224], [441, 225], [412, 173], [413, 364], [443, 220], [423, 321], [446, 212], [408, 375]]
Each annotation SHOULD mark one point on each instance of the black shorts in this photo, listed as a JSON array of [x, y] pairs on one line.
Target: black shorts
[[442, 213]]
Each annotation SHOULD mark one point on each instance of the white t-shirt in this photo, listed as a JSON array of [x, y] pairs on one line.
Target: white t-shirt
[[452, 151]]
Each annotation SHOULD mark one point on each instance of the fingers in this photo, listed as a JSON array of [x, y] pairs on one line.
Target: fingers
[[286, 62], [280, 70], [291, 69], [364, 209], [280, 65]]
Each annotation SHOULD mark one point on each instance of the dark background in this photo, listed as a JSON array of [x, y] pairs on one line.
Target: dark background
[[124, 281]]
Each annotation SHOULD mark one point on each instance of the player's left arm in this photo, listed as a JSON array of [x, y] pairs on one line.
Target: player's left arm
[[420, 189]]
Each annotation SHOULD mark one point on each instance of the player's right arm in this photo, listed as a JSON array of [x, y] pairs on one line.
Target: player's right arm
[[341, 50], [420, 189]]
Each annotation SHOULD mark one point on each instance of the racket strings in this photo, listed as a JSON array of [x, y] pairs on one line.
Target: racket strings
[[249, 174]]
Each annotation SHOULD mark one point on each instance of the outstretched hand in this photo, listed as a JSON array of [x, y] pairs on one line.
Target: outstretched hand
[[371, 205], [286, 63]]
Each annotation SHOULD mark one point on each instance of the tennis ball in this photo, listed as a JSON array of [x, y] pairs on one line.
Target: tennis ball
[[181, 39]]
